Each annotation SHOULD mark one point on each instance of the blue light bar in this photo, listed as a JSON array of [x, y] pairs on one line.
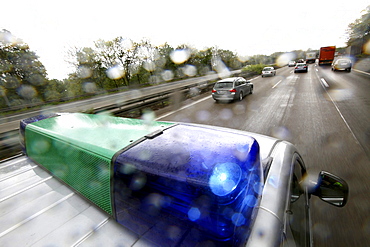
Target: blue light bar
[[189, 185]]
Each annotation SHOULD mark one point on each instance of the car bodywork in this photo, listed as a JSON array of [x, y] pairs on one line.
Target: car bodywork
[[169, 187], [342, 64], [268, 71], [234, 88]]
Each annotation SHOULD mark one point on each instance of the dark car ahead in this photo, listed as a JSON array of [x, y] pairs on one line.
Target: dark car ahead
[[342, 64], [233, 88], [301, 67]]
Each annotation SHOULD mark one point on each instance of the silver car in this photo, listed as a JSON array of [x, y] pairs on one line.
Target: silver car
[[268, 71], [342, 64], [234, 88], [301, 67]]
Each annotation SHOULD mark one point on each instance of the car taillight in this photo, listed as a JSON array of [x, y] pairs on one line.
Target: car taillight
[[233, 90], [213, 91]]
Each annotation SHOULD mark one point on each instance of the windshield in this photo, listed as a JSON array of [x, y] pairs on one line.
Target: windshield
[[182, 62], [343, 61]]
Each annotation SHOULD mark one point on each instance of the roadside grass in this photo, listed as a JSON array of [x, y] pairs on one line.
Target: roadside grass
[[255, 69]]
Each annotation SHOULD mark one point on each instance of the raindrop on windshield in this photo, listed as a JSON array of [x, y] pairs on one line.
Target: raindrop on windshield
[[167, 75], [180, 56], [115, 72]]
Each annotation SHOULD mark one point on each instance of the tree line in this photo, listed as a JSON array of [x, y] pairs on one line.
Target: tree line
[[358, 32], [112, 65]]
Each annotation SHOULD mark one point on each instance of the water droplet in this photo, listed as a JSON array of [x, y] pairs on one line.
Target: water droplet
[[193, 214], [226, 114], [284, 59], [190, 70], [149, 66], [203, 115], [90, 87], [224, 179], [27, 92], [115, 72], [238, 219], [180, 56], [167, 75], [84, 72]]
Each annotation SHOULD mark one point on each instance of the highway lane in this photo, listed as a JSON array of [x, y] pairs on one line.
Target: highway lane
[[321, 122], [350, 92]]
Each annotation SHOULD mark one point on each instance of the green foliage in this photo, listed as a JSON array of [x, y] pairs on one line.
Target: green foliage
[[260, 59], [255, 69], [115, 65], [22, 75], [122, 62], [360, 28]]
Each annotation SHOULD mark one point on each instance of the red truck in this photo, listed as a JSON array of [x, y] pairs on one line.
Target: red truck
[[326, 55]]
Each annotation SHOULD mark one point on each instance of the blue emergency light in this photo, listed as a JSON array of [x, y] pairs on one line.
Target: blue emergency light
[[173, 184]]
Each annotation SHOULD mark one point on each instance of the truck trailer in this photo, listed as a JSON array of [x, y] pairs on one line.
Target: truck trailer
[[310, 57], [326, 55]]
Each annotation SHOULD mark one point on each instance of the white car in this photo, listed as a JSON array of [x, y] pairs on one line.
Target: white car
[[268, 71], [342, 64], [291, 64]]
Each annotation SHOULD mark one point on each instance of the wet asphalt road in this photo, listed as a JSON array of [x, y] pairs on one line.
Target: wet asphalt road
[[326, 115]]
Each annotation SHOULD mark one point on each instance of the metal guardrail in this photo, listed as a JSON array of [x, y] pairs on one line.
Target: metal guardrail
[[154, 100], [9, 143], [163, 89]]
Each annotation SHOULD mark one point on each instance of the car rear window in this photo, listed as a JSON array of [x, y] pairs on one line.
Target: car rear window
[[226, 84], [267, 69]]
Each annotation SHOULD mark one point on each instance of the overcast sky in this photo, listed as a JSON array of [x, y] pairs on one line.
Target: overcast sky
[[50, 28]]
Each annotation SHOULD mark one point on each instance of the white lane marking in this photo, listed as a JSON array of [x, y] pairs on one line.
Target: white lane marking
[[344, 120], [324, 83], [366, 73], [254, 78], [277, 84], [182, 108], [340, 114]]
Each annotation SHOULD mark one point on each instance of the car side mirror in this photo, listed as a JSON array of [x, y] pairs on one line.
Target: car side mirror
[[331, 189]]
